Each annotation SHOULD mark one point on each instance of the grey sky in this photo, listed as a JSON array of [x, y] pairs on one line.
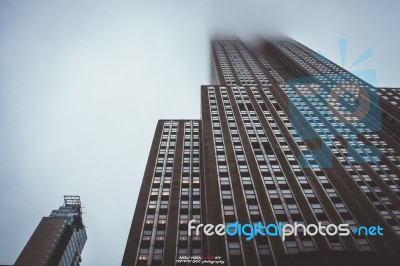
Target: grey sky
[[82, 84]]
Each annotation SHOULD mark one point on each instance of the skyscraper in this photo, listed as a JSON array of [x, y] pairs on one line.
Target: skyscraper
[[58, 239], [390, 103], [169, 197], [287, 137]]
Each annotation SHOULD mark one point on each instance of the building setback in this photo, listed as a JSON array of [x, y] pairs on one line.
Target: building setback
[[168, 198], [58, 239], [285, 136]]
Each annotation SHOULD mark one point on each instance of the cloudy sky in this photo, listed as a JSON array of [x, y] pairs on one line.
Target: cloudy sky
[[83, 83]]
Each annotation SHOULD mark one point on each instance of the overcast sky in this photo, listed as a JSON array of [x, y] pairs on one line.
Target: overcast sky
[[83, 83]]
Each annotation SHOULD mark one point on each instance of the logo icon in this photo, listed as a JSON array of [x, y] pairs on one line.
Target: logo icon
[[332, 108]]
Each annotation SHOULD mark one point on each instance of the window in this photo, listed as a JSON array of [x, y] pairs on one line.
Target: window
[[234, 248]]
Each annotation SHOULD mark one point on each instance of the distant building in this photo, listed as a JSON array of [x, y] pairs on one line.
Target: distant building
[[58, 239], [286, 136]]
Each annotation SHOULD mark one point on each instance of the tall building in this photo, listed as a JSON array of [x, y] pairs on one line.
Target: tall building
[[390, 103], [287, 137], [168, 198], [58, 239]]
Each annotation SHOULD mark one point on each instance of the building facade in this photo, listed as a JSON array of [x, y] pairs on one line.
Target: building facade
[[169, 197], [287, 137], [58, 239], [390, 104]]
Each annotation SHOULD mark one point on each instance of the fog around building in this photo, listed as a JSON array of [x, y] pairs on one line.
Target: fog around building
[[83, 83]]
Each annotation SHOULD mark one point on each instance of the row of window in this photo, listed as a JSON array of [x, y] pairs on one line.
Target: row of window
[[154, 229]]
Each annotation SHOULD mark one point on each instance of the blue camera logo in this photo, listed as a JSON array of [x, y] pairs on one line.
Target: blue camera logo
[[340, 104]]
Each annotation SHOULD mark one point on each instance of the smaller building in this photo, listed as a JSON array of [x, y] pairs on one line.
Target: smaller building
[[58, 239]]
